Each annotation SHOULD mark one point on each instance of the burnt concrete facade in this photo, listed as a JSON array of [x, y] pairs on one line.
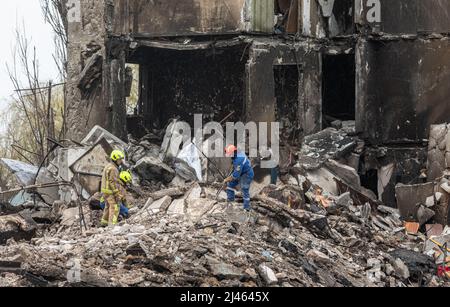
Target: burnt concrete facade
[[382, 63]]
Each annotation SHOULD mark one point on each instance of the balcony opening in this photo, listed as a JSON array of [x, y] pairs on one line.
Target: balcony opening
[[181, 83], [338, 88]]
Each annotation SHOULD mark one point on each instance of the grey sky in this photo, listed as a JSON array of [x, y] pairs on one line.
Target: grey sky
[[27, 12]]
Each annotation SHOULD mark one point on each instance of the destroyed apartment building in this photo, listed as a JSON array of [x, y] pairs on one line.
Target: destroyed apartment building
[[360, 88], [307, 64]]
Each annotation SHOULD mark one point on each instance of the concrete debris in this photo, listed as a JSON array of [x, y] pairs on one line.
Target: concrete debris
[[267, 275], [438, 151], [410, 197], [324, 146], [173, 192], [344, 200], [177, 207], [97, 133], [173, 140], [70, 217], [401, 270], [16, 227], [197, 245], [424, 215], [446, 187], [153, 169], [318, 257], [438, 197], [24, 173], [434, 230], [388, 210], [442, 207], [88, 168], [224, 270], [417, 263], [323, 178], [430, 202], [158, 206], [344, 172]]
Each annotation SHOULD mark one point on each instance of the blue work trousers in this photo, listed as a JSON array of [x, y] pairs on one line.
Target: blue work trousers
[[245, 182]]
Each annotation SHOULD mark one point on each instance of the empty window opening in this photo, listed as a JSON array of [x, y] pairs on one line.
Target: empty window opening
[[342, 22], [286, 13], [338, 88], [132, 88], [287, 99]]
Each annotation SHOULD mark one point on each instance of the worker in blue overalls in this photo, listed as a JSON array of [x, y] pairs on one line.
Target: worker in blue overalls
[[243, 175]]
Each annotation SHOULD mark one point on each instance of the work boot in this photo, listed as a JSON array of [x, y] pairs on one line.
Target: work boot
[[104, 223]]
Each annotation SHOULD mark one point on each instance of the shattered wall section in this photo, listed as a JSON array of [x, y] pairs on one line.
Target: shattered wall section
[[393, 165], [438, 151], [261, 87], [174, 17], [86, 55], [402, 88], [403, 16], [95, 71]]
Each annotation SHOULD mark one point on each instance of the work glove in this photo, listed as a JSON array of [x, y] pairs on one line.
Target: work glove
[[228, 180]]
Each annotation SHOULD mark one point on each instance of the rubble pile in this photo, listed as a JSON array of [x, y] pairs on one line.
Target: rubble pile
[[317, 228], [193, 241]]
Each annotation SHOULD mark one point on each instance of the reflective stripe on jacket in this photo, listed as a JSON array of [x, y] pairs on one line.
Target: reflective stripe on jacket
[[111, 185], [241, 166]]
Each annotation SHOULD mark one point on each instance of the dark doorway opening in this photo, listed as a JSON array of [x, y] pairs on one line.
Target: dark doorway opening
[[338, 88], [287, 98], [369, 180]]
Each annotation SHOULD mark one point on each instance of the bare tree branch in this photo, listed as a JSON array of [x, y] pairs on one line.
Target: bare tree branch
[[55, 14]]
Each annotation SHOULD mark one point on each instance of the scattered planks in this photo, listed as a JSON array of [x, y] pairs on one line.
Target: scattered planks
[[316, 223]]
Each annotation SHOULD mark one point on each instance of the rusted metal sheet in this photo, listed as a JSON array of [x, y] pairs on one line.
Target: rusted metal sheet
[[175, 17]]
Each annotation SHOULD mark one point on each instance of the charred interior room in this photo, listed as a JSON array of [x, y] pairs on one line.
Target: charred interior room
[[178, 83]]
